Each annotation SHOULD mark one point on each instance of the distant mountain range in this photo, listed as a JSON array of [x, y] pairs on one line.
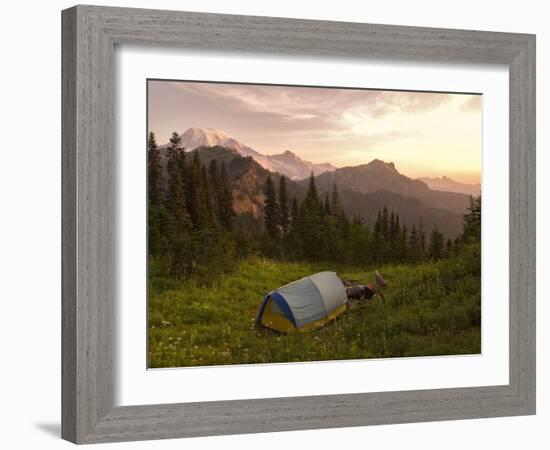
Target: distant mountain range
[[363, 189], [448, 184], [287, 163], [411, 199], [381, 176]]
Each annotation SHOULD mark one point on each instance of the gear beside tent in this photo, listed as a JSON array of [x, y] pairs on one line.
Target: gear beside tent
[[305, 304]]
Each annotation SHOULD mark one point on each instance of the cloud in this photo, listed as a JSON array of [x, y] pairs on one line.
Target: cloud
[[325, 124], [388, 102], [288, 102], [297, 110]]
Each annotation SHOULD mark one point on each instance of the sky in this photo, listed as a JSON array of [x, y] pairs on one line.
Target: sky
[[422, 133]]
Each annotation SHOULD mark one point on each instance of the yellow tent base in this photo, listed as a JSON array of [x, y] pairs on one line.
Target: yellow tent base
[[280, 323]]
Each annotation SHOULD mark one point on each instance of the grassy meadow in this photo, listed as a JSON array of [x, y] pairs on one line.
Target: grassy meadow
[[430, 308]]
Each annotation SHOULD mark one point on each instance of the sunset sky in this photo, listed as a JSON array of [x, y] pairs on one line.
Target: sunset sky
[[424, 134]]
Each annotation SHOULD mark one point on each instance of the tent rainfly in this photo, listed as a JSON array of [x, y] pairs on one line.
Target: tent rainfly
[[305, 304]]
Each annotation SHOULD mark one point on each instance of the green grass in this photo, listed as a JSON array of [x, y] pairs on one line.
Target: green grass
[[429, 309]]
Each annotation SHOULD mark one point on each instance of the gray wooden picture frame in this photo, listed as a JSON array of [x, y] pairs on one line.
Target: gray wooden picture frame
[[90, 34]]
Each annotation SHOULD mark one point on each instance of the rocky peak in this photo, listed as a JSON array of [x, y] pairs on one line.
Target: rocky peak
[[379, 164]]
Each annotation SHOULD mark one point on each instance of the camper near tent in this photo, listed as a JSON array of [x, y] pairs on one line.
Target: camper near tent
[[305, 304]]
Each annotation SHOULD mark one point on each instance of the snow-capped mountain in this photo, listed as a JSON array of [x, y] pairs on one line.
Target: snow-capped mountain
[[287, 163], [295, 168], [209, 137]]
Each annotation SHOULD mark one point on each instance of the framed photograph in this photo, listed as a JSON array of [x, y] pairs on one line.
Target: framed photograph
[[278, 224]]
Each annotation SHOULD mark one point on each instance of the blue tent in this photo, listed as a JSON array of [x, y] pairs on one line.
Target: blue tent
[[304, 304]]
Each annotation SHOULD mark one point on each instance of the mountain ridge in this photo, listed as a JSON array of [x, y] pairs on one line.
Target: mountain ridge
[[381, 176], [248, 184], [446, 183], [364, 188]]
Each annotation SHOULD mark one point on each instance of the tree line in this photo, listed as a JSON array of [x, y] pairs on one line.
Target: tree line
[[190, 209], [191, 222], [319, 229]]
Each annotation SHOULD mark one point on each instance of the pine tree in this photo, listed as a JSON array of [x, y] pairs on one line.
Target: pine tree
[[335, 200], [377, 239], [271, 210], [195, 195], [421, 240], [472, 221], [393, 237], [294, 247], [356, 246], [322, 210], [312, 198], [295, 212], [154, 190], [397, 225], [449, 247], [311, 222], [342, 222], [176, 198], [413, 244], [397, 239], [222, 195], [392, 230], [403, 250], [378, 224], [207, 199], [214, 177], [437, 244], [174, 220], [385, 227], [284, 215], [154, 171], [326, 206], [191, 189], [226, 200]]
